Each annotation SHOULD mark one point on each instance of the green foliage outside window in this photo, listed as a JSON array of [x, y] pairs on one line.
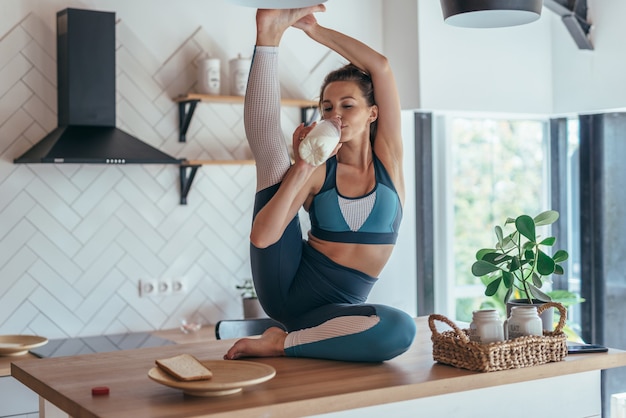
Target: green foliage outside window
[[498, 168]]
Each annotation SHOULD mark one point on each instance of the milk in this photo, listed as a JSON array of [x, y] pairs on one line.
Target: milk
[[320, 143]]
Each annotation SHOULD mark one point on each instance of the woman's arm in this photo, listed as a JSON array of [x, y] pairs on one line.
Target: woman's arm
[[271, 221], [388, 141], [299, 184]]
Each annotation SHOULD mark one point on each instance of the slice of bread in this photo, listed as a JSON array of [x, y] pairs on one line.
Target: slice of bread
[[184, 367]]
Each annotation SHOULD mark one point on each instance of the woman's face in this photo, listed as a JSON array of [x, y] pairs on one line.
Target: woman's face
[[344, 99]]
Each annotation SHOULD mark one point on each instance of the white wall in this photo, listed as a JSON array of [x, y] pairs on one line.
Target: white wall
[[535, 68], [492, 70], [591, 81], [397, 283], [401, 46], [74, 240]]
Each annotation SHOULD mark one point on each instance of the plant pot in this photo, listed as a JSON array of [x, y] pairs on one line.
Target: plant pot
[[252, 308], [547, 316]]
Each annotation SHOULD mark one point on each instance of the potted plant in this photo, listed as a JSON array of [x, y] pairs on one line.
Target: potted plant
[[251, 305], [519, 264]]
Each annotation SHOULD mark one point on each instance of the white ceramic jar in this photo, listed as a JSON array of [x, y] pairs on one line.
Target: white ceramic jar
[[524, 320], [209, 76], [486, 327], [239, 69]]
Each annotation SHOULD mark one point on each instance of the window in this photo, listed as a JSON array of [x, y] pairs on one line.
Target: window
[[486, 169], [573, 203]]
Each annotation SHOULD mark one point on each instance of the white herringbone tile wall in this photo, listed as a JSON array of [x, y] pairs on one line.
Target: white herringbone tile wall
[[76, 239]]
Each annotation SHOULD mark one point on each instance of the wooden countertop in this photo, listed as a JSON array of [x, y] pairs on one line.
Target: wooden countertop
[[301, 386], [207, 333], [5, 362]]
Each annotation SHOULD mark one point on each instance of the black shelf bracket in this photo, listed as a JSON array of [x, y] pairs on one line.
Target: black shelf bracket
[[185, 113], [309, 114], [188, 171], [187, 174]]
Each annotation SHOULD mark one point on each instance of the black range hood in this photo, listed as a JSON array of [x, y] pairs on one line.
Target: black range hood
[[86, 132]]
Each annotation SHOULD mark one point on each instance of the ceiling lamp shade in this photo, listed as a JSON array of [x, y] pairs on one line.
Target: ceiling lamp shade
[[277, 4], [490, 13]]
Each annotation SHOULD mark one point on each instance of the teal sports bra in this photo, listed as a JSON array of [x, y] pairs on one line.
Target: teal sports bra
[[370, 219]]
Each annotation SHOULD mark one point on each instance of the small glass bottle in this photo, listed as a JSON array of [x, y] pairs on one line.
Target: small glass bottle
[[486, 327], [524, 320]]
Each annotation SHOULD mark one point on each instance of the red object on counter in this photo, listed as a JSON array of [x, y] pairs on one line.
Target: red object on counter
[[99, 391]]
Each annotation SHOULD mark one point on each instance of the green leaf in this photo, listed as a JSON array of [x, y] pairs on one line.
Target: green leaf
[[482, 253], [495, 258], [501, 258], [548, 241], [492, 288], [481, 267], [508, 294], [507, 243], [560, 256], [546, 218], [538, 294], [499, 235], [515, 264], [537, 280], [526, 226], [558, 270], [545, 264], [529, 254], [508, 279], [565, 297]]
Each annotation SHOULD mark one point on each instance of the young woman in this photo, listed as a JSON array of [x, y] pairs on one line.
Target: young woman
[[318, 287]]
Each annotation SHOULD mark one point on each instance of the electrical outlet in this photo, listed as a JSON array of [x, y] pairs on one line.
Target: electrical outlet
[[148, 287], [161, 287], [179, 286], [164, 287]]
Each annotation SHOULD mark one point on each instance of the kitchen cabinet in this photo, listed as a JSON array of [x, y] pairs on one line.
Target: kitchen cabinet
[[187, 105], [17, 399]]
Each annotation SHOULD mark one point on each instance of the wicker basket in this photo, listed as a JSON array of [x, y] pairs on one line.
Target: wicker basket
[[455, 348]]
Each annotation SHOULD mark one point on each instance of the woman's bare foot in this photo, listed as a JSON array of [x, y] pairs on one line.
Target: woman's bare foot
[[272, 23], [270, 344]]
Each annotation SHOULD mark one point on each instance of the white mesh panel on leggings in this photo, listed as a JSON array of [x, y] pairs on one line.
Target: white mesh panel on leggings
[[262, 118], [336, 327]]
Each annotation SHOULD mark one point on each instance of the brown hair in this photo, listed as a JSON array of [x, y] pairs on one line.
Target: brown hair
[[351, 72]]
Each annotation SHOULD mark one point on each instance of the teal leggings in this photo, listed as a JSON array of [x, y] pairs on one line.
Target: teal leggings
[[302, 288]]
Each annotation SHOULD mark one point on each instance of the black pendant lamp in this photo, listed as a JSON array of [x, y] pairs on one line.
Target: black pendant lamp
[[490, 13]]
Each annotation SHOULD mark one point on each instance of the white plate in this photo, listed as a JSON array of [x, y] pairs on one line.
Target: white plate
[[16, 345], [277, 4], [229, 376]]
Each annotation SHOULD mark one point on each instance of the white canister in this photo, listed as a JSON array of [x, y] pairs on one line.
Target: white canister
[[239, 70], [209, 76], [486, 327], [524, 320]]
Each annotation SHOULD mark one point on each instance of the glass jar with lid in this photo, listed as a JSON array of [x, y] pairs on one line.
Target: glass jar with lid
[[523, 321], [486, 327]]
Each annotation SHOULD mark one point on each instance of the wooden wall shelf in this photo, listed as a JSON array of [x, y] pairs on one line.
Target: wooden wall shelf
[[186, 107]]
